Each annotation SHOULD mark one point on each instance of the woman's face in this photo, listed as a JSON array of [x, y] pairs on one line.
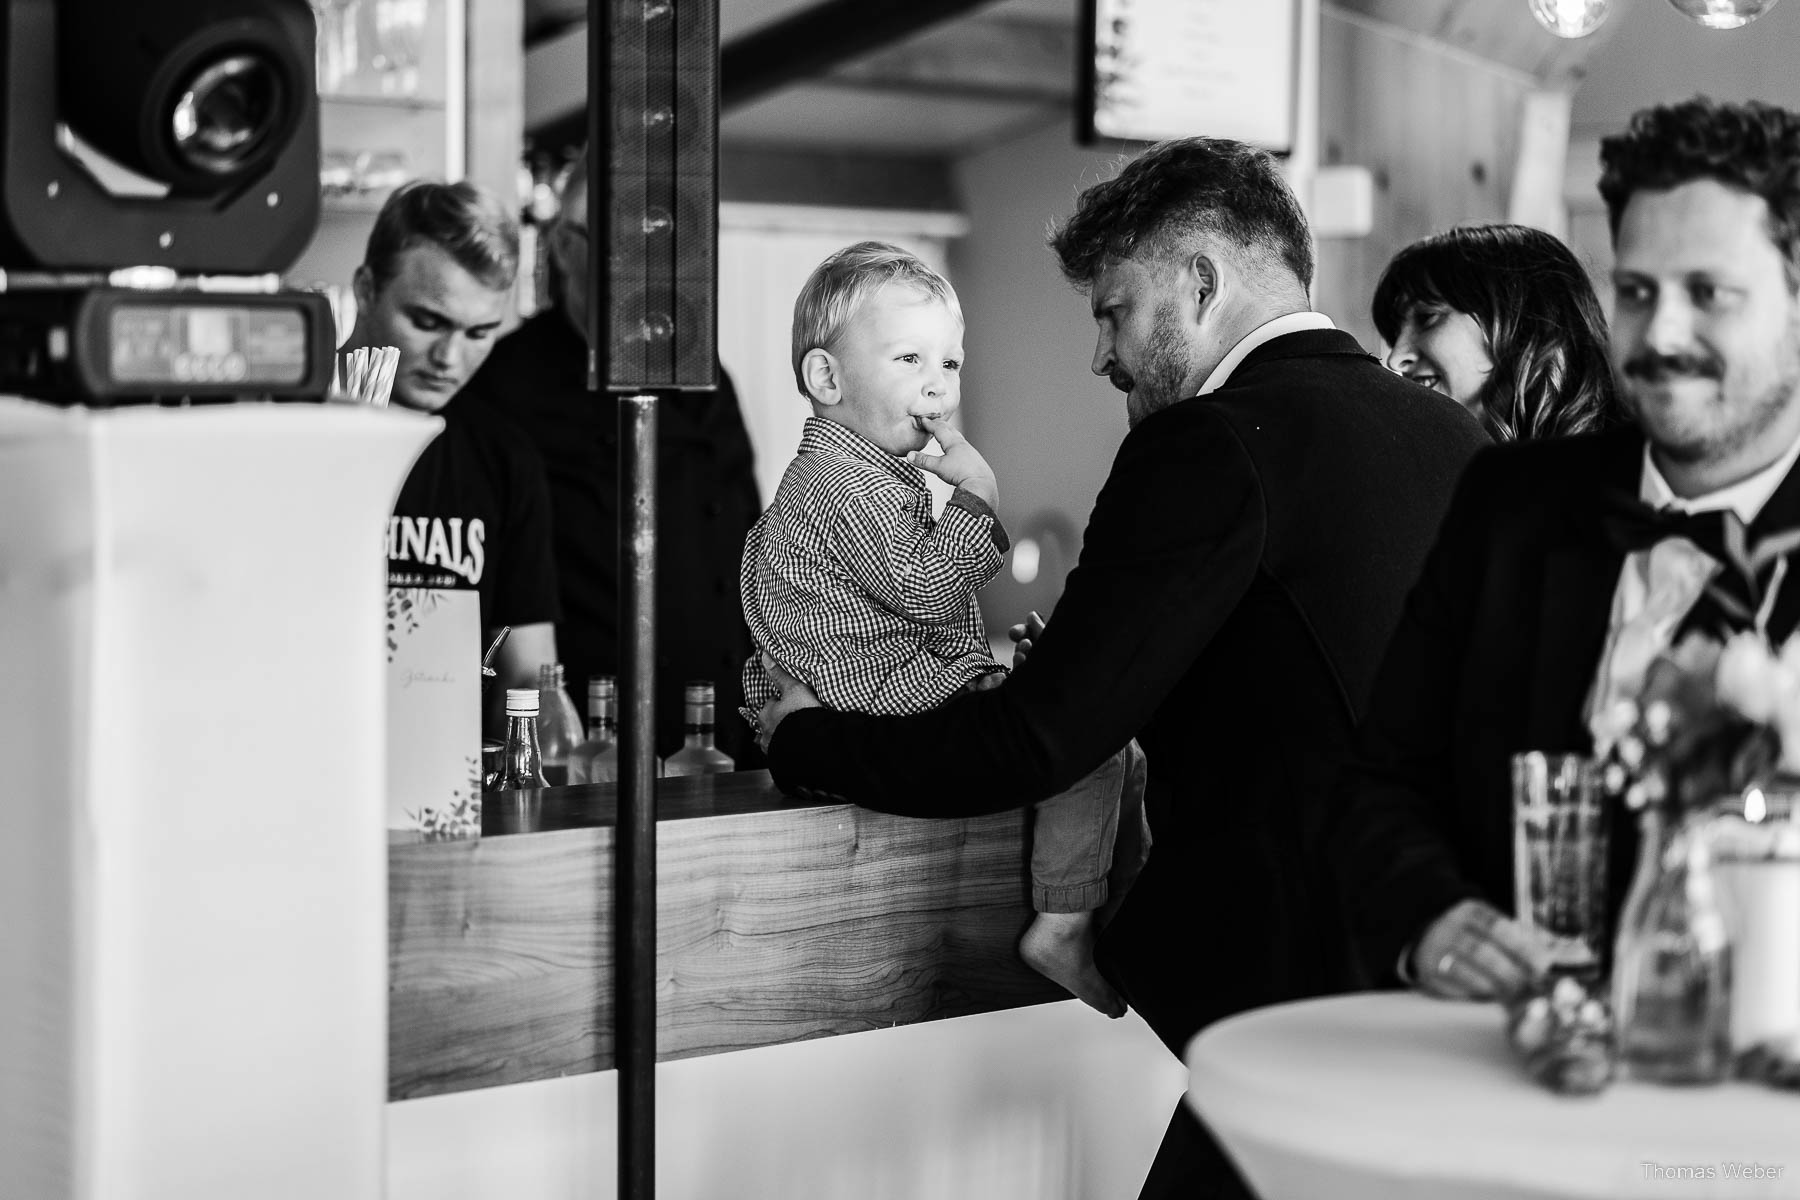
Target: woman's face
[[1442, 349]]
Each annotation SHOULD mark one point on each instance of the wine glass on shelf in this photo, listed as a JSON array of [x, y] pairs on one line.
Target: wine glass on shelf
[[339, 50], [399, 37]]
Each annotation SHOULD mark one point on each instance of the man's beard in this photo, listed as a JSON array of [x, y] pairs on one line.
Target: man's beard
[[1165, 371], [1770, 402]]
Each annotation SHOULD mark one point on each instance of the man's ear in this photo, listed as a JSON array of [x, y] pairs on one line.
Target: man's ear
[[824, 380], [363, 285], [1204, 281]]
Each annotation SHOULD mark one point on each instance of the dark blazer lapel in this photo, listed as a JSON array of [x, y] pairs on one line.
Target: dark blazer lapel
[[1574, 607], [1574, 610], [1782, 514]]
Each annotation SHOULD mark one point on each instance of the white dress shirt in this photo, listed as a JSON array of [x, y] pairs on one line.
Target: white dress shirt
[[1267, 331], [1658, 586]]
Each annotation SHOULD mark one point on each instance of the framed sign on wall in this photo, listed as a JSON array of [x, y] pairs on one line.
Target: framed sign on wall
[[1157, 69]]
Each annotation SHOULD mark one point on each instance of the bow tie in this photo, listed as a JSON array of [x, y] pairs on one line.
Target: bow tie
[[1631, 525]]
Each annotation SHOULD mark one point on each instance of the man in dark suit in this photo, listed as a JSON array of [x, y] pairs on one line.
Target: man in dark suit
[[1542, 605], [1244, 564]]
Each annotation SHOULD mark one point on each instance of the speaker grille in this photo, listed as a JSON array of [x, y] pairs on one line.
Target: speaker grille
[[662, 188]]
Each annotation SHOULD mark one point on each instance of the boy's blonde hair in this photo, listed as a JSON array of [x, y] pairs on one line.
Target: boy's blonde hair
[[839, 285]]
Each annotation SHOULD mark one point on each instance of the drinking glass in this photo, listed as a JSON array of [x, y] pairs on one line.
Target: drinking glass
[[1560, 832]]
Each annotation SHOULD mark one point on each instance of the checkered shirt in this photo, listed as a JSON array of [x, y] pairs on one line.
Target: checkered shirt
[[851, 585]]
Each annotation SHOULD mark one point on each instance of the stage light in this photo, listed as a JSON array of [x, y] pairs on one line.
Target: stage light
[[162, 168], [1722, 14], [178, 133], [1569, 18]]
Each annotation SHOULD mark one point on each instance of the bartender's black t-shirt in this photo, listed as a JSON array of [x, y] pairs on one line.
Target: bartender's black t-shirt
[[706, 502], [475, 514]]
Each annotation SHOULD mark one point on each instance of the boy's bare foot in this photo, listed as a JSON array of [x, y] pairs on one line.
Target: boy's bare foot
[[1060, 946]]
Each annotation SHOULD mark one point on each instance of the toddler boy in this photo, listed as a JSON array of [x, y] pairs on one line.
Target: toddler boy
[[852, 587]]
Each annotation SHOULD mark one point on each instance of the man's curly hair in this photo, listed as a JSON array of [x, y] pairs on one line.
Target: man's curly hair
[[1177, 189], [1750, 146]]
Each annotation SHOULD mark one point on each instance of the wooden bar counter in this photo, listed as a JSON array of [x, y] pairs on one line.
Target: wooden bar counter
[[777, 920]]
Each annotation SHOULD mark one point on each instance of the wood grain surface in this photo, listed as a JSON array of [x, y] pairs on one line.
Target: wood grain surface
[[776, 921]]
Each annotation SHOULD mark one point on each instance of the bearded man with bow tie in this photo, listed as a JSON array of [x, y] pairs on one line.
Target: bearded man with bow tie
[[1565, 567]]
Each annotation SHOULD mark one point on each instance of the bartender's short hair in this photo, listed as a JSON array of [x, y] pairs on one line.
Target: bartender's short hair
[[462, 219], [1750, 146], [1175, 192], [839, 286]]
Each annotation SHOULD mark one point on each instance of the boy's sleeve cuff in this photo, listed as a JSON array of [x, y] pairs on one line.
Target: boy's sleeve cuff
[[970, 503]]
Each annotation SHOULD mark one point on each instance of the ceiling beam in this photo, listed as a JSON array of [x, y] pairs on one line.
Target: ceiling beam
[[1003, 59], [815, 40], [982, 59], [546, 18]]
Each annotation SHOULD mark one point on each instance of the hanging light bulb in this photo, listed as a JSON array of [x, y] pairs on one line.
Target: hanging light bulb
[[1722, 14], [1572, 18]]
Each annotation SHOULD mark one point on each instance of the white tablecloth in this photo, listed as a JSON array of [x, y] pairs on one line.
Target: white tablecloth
[[1396, 1097]]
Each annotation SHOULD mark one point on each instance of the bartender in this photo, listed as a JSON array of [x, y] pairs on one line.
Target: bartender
[[474, 514]]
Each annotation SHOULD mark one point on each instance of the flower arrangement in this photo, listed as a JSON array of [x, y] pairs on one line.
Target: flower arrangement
[[1714, 719], [1719, 713], [1717, 716]]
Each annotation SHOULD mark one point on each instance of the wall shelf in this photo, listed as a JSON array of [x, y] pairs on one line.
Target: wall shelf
[[403, 103]]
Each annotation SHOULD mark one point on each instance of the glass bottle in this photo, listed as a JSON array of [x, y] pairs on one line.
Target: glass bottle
[[597, 759], [698, 755], [1672, 961], [559, 723], [521, 765]]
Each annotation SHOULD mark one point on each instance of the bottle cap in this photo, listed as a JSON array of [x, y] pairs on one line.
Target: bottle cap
[[521, 702], [601, 685], [699, 691]]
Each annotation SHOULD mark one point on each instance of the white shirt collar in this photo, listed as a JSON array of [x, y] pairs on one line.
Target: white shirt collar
[[1745, 497], [1267, 331]]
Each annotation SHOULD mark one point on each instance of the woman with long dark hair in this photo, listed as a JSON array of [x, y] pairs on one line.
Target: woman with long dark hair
[[1502, 319]]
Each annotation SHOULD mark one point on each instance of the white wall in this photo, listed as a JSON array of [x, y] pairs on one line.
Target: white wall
[[1049, 427], [1053, 1102]]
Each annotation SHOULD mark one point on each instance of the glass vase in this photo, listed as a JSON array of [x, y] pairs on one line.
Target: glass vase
[[1672, 960]]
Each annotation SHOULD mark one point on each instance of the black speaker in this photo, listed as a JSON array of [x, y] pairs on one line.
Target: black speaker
[[659, 142], [207, 107]]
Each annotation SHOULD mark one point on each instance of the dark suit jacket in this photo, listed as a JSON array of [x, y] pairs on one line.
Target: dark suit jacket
[[1245, 563], [1495, 655]]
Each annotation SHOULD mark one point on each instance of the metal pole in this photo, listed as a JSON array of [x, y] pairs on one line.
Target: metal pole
[[599, 193], [634, 856], [635, 895]]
